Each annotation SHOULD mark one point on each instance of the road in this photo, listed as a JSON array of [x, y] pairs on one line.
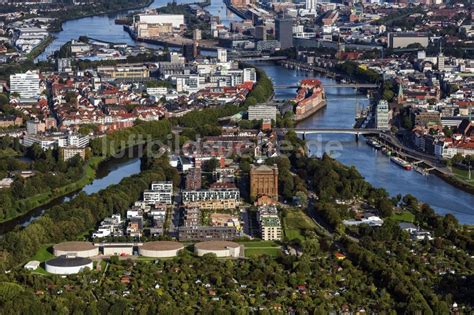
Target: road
[[414, 154]]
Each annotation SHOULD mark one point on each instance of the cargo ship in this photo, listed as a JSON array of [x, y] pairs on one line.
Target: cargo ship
[[309, 99], [402, 163]]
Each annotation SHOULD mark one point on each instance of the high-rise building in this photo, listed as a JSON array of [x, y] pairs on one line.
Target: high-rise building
[[222, 55], [382, 117], [284, 32], [311, 5], [250, 75], [260, 32], [189, 52], [27, 85], [264, 181], [197, 35], [441, 62]]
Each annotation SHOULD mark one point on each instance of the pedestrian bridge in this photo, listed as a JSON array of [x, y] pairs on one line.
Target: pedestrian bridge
[[353, 131]]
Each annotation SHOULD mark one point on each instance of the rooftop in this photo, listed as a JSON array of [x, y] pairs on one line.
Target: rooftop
[[216, 245], [74, 246], [65, 261], [162, 245]]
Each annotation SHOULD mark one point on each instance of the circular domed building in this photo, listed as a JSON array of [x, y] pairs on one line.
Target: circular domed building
[[67, 265], [78, 249], [219, 248], [160, 249]]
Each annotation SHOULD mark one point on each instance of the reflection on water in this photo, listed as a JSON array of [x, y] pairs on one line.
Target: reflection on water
[[109, 173], [372, 164]]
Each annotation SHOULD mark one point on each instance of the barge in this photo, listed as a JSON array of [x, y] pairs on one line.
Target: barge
[[402, 163]]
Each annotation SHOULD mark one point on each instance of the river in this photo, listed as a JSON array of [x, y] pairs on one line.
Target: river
[[340, 112], [103, 27], [372, 164], [109, 173]]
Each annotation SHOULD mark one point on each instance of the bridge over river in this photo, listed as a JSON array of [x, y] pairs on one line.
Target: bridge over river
[[352, 131]]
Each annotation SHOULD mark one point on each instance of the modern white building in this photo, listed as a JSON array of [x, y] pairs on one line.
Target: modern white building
[[382, 116], [250, 75], [222, 55], [371, 221], [27, 85], [161, 192], [211, 194], [311, 5], [270, 224], [48, 141], [176, 20]]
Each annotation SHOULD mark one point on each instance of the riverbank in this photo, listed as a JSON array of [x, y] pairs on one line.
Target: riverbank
[[449, 179], [27, 205], [456, 182], [38, 50], [57, 27]]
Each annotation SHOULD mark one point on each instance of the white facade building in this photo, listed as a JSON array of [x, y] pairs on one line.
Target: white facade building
[[27, 85], [222, 55], [211, 194], [382, 117], [250, 75], [174, 19], [311, 5], [161, 192]]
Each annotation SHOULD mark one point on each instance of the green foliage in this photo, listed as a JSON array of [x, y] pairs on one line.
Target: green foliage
[[158, 83], [73, 218], [127, 138], [262, 91], [353, 69], [3, 99]]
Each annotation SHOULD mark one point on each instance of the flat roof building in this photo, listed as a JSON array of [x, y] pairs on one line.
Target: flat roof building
[[259, 112], [160, 249], [218, 248], [78, 249], [68, 265], [404, 39]]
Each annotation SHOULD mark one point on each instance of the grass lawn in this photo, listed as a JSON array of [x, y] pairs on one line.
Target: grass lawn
[[259, 248], [255, 251], [43, 254], [405, 216], [258, 244], [464, 175], [295, 223]]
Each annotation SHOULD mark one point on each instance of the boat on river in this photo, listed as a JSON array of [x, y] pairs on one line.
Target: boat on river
[[374, 144], [401, 162]]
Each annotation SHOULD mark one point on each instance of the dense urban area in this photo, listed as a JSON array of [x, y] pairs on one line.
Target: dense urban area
[[236, 156]]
